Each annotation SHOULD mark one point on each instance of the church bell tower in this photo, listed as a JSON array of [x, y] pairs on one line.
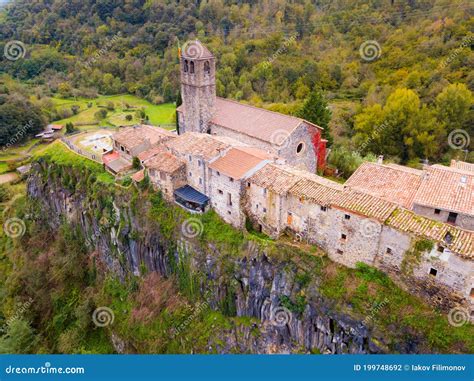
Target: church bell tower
[[198, 87]]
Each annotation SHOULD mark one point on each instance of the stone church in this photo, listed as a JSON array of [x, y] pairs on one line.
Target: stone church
[[298, 142]]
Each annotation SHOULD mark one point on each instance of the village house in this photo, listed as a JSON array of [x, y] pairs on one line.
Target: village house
[[227, 175], [446, 194], [297, 141], [130, 142]]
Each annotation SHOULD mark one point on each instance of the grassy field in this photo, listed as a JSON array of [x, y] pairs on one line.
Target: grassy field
[[123, 105]]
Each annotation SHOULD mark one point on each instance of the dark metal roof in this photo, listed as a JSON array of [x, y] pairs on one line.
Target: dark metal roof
[[190, 194]]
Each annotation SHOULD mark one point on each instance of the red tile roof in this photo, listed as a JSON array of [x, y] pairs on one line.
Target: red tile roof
[[138, 176], [202, 145], [316, 189], [447, 188], [393, 183], [136, 135], [364, 204], [265, 125], [149, 153], [236, 163], [164, 162]]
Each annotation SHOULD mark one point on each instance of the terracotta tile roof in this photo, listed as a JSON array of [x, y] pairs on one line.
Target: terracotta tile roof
[[265, 125], [407, 221], [149, 153], [133, 136], [316, 189], [138, 176], [276, 178], [164, 162], [393, 183], [363, 203], [236, 163], [462, 165], [193, 143], [447, 188]]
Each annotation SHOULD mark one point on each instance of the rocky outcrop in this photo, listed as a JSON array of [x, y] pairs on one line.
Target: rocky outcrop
[[252, 283]]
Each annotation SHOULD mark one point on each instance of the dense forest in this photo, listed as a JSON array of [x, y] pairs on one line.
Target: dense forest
[[403, 101]]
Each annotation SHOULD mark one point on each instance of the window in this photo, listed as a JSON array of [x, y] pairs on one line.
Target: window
[[437, 211], [343, 236], [162, 176], [347, 217], [191, 67], [440, 249], [231, 179], [248, 185], [218, 173], [264, 191], [190, 174], [452, 217], [433, 271], [256, 206], [185, 69], [300, 148], [190, 158], [207, 68], [122, 148], [339, 251], [323, 208], [199, 163], [229, 212], [389, 250], [264, 210], [200, 181], [229, 199], [219, 191]]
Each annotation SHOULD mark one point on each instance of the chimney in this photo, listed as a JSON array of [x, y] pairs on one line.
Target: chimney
[[380, 159]]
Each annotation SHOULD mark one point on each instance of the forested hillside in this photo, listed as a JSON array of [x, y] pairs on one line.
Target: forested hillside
[[401, 99]]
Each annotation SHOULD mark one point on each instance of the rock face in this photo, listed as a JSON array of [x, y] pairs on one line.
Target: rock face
[[252, 282]]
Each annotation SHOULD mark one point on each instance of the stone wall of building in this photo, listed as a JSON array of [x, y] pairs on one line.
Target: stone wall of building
[[464, 221], [301, 138], [167, 182], [225, 194]]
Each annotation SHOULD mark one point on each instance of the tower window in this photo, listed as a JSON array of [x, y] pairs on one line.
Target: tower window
[[191, 67], [433, 271], [207, 67], [185, 66]]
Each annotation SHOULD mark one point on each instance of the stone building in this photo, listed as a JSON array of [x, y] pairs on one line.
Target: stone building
[[166, 172], [297, 141], [132, 142], [446, 194], [227, 179]]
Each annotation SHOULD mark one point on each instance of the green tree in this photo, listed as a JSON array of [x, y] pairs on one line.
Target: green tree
[[70, 128], [315, 110], [453, 107], [19, 338], [136, 163]]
